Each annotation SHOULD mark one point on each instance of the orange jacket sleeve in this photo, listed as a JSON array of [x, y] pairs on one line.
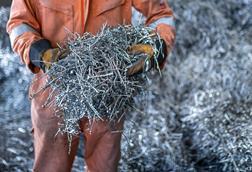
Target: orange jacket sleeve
[[24, 31], [160, 16]]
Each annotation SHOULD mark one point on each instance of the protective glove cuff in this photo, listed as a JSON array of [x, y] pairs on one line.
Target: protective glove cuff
[[36, 51]]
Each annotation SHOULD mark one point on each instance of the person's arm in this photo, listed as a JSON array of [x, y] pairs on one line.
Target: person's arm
[[24, 31], [160, 17]]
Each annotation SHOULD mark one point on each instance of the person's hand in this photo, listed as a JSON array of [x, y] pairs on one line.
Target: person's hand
[[145, 63], [51, 56]]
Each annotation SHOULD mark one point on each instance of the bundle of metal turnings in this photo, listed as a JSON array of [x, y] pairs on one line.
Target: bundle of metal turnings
[[91, 81]]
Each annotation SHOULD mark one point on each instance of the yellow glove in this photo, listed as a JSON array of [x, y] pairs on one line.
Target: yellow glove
[[145, 63], [142, 64], [52, 55]]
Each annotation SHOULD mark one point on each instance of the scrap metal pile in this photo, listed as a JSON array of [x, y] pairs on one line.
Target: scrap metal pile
[[4, 38], [15, 145], [204, 95], [214, 77], [218, 112], [197, 117], [92, 80]]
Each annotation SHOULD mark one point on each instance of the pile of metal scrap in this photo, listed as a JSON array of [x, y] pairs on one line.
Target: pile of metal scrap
[[15, 146], [209, 77], [150, 143], [204, 95], [218, 111], [197, 117], [4, 38]]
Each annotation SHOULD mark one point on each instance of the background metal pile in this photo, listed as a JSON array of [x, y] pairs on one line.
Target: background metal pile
[[197, 117], [204, 95], [15, 143], [215, 84]]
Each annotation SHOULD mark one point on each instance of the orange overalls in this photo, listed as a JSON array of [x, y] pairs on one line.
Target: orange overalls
[[34, 21]]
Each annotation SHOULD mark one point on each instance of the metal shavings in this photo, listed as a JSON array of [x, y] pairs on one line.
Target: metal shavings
[[4, 38], [208, 74], [91, 81]]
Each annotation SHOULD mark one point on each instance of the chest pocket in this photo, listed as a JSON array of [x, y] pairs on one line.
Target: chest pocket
[[111, 6], [56, 18]]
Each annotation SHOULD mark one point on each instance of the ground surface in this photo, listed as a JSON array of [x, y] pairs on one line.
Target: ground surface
[[197, 117]]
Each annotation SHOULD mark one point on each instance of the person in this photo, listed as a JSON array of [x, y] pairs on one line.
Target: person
[[36, 27]]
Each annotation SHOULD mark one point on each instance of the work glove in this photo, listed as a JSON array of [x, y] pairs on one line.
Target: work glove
[[150, 60], [51, 56]]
